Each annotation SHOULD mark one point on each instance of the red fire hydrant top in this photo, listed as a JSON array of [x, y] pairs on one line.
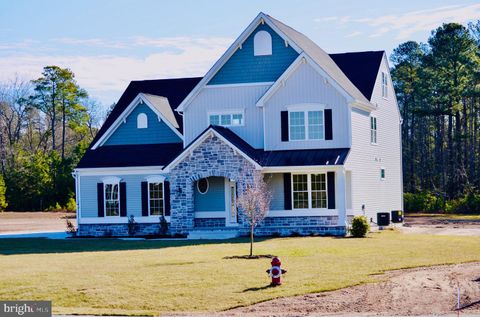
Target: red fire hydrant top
[[275, 272]]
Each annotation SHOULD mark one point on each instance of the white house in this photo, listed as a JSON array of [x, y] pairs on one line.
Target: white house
[[324, 129]]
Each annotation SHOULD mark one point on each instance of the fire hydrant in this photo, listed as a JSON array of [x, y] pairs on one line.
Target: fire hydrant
[[275, 272]]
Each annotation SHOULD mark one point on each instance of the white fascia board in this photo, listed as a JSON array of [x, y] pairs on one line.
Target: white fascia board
[[200, 140], [102, 171], [124, 115], [230, 51], [362, 105], [263, 83], [302, 169]]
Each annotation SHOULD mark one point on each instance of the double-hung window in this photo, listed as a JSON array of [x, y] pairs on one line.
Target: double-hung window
[[384, 85], [306, 125], [112, 199], [156, 199], [226, 119], [373, 130], [309, 191]]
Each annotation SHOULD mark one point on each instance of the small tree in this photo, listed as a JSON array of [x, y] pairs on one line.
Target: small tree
[[254, 201]]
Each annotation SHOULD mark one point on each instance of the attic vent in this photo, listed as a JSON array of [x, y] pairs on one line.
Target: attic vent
[[262, 44], [142, 121]]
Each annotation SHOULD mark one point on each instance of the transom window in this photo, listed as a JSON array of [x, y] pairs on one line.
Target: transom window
[[309, 191], [226, 119], [306, 125], [384, 85], [155, 199], [373, 130], [112, 199]]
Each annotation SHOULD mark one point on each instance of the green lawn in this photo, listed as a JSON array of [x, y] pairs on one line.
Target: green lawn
[[149, 277]]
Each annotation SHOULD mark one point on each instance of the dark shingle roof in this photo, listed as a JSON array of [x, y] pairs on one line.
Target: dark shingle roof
[[361, 68], [175, 90], [130, 155], [312, 157]]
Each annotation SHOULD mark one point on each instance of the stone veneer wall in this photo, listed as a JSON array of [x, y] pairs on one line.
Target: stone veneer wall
[[303, 225], [211, 158], [117, 229], [209, 222]]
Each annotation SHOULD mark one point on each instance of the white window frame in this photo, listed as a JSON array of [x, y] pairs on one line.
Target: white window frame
[[156, 180], [306, 109], [373, 130], [142, 121], [262, 43], [384, 85], [230, 113], [309, 189], [111, 181]]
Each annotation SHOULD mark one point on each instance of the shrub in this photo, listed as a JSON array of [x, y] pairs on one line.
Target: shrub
[[55, 208], [71, 205], [468, 204], [132, 225], [360, 226], [71, 230], [163, 226], [3, 189], [422, 202]]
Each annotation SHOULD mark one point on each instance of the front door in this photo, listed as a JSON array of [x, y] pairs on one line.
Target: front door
[[231, 203]]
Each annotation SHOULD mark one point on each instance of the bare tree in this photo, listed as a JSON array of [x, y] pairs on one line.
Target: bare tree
[[254, 202]]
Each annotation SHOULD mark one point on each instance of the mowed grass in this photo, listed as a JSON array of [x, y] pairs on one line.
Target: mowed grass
[[151, 277]]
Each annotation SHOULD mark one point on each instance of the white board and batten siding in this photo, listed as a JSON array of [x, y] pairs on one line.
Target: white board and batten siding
[[225, 99], [366, 160], [306, 86]]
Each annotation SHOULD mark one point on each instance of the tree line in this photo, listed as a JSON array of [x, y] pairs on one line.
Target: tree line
[[45, 127], [437, 87]]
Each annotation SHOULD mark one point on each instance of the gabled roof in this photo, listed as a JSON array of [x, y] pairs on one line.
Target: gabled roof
[[130, 155], [175, 90], [261, 158], [297, 41], [162, 105], [361, 68]]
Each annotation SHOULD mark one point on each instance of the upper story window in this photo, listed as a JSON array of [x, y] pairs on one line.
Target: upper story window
[[373, 130], [156, 205], [142, 121], [262, 43], [384, 85], [382, 173], [306, 125], [226, 119], [111, 197]]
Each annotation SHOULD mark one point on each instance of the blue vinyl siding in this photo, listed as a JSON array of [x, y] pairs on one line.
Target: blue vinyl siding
[[275, 184], [88, 194], [214, 198], [244, 67], [157, 131]]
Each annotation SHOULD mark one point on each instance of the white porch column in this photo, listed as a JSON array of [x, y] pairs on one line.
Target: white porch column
[[341, 196]]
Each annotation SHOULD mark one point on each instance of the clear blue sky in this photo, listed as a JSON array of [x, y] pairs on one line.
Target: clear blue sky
[[107, 43]]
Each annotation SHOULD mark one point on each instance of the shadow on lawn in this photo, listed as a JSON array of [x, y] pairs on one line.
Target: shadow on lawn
[[42, 245]]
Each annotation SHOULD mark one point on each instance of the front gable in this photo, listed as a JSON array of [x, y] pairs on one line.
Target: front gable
[[244, 67], [155, 132]]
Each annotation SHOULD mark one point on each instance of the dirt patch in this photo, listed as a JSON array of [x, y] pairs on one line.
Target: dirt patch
[[441, 226], [27, 222], [411, 292]]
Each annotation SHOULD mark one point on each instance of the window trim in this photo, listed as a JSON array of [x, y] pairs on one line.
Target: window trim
[[373, 117], [231, 113], [306, 108], [156, 181], [309, 191], [111, 181], [208, 186], [142, 121], [384, 85]]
